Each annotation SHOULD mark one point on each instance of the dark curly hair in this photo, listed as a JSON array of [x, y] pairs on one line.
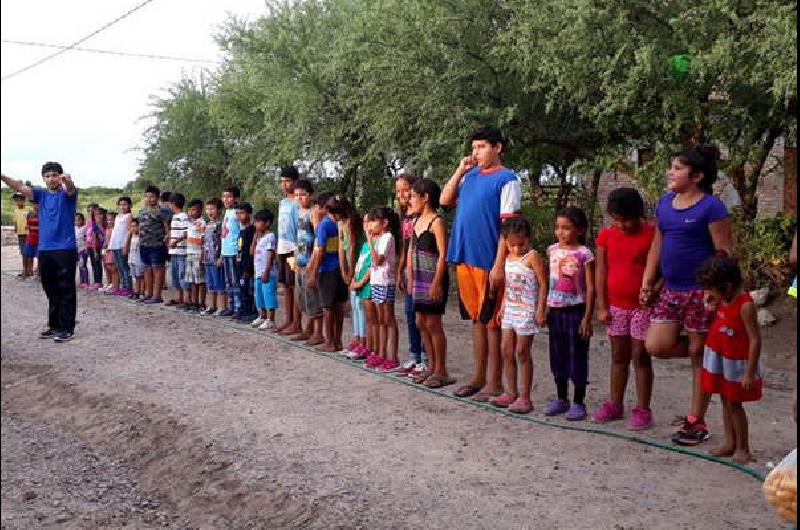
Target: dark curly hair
[[625, 202], [517, 226], [719, 272]]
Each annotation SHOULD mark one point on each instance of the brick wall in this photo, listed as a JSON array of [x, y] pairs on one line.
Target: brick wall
[[770, 190]]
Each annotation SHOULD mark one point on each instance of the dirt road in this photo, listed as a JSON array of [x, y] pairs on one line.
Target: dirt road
[[224, 428]]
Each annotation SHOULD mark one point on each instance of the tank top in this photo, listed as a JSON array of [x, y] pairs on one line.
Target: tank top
[[425, 256], [522, 289], [728, 336]]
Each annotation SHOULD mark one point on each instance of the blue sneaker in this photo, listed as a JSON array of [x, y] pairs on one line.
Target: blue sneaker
[[576, 412], [555, 407]]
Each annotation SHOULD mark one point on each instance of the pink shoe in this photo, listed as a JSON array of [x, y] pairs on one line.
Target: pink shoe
[[641, 418], [503, 400], [610, 411], [83, 285], [95, 286], [373, 361], [353, 346], [389, 366]]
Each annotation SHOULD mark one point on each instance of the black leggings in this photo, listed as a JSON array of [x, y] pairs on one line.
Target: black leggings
[[57, 268], [96, 259]]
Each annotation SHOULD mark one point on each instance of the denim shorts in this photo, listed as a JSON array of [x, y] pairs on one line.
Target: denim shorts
[[178, 270], [215, 282], [30, 251], [154, 256]]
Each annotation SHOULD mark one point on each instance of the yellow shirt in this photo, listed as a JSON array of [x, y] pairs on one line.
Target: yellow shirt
[[20, 220]]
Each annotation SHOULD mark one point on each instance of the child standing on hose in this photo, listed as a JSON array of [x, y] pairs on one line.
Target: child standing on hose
[[570, 300], [732, 352], [691, 225], [523, 311], [428, 279], [621, 258]]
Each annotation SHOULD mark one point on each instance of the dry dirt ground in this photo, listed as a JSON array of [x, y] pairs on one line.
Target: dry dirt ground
[[151, 417]]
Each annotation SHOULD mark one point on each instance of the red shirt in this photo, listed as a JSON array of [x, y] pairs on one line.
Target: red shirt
[[626, 258], [33, 230]]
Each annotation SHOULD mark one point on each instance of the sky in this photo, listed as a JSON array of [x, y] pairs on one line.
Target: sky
[[86, 110]]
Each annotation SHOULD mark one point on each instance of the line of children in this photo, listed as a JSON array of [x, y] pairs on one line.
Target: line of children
[[506, 288]]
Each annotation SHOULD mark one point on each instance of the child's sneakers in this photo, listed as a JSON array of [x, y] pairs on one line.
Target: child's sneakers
[[406, 368], [691, 433], [208, 311], [641, 418], [257, 322], [374, 361], [556, 406], [389, 366], [267, 325], [610, 411], [418, 369], [576, 412], [360, 354]]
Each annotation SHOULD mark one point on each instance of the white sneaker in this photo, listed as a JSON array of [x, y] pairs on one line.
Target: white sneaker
[[408, 365], [257, 322], [418, 369], [219, 312], [267, 325]]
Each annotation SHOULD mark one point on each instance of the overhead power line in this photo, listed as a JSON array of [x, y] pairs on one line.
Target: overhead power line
[[77, 42], [108, 52]]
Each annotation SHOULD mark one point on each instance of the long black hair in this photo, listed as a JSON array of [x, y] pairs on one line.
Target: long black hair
[[701, 159]]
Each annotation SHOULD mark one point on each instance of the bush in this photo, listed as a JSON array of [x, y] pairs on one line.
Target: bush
[[762, 246]]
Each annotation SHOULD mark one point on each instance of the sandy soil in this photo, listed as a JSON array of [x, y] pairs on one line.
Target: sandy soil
[[227, 428]]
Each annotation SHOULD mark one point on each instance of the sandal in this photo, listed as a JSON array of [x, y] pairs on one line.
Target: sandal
[[466, 391], [483, 397], [436, 381], [421, 377], [172, 302], [521, 406]]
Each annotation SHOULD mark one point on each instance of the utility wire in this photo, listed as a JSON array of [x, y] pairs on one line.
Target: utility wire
[[107, 52], [77, 42]]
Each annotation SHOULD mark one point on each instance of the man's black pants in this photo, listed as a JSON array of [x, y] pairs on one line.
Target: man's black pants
[[57, 269]]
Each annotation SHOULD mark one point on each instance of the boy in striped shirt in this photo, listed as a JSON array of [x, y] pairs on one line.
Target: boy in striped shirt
[[195, 277], [177, 247]]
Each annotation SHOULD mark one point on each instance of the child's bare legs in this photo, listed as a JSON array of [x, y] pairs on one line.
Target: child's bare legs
[[383, 331], [158, 281], [620, 366], [114, 274], [148, 281], [525, 366], [427, 341], [486, 358], [392, 333], [643, 368], [292, 324], [329, 323], [372, 325], [700, 399], [728, 447], [314, 330], [338, 325], [737, 436], [508, 347]]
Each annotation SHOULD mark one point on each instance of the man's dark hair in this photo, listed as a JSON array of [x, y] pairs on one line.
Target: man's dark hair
[[165, 196], [289, 172], [489, 133], [152, 189], [177, 199], [233, 190], [125, 199], [196, 203], [305, 185], [265, 215], [625, 202], [52, 166], [246, 206]]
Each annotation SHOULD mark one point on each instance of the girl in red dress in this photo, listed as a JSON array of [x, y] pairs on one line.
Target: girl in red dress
[[731, 365]]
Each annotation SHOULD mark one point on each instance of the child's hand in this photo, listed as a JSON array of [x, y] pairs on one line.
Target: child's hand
[[541, 318], [585, 330], [401, 283], [312, 281], [353, 285], [435, 292], [603, 316], [645, 294], [218, 263], [265, 277], [747, 381]]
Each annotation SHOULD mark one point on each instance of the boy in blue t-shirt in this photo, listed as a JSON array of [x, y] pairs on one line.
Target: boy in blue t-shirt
[[229, 248], [486, 192], [324, 273], [288, 221], [58, 254]]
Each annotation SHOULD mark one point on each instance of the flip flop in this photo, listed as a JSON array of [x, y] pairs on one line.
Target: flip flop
[[484, 397], [466, 391], [435, 381], [421, 377]]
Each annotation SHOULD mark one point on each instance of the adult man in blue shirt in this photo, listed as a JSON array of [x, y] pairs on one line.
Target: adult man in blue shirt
[[57, 246]]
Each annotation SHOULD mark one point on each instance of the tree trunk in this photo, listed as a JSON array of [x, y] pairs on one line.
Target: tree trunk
[[592, 203]]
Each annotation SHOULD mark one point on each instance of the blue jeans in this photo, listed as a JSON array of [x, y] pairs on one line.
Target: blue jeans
[[415, 347], [124, 271], [359, 315], [231, 273], [178, 269]]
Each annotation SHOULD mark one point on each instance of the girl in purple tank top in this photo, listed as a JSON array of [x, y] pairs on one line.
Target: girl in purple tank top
[[691, 225]]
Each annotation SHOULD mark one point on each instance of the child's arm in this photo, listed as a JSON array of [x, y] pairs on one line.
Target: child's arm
[[377, 259], [441, 264], [651, 269], [127, 247], [409, 269], [313, 266], [402, 267], [602, 285], [358, 285], [270, 262], [586, 323], [537, 264], [749, 317], [721, 236]]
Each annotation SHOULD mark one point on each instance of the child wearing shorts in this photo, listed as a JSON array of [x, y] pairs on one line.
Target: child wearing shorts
[[621, 257], [195, 275], [135, 259], [212, 260], [266, 274], [307, 296]]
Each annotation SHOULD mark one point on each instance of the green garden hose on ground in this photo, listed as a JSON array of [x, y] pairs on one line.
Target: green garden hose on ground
[[622, 435]]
